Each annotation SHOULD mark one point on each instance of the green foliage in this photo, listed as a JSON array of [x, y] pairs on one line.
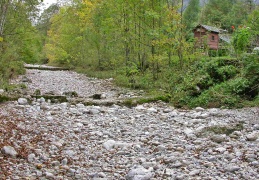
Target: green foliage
[[253, 22], [217, 83], [241, 40], [191, 15], [19, 41], [225, 13]]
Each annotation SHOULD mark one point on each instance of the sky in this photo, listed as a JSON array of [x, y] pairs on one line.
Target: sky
[[47, 3]]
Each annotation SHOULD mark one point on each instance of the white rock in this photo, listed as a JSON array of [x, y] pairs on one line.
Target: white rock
[[42, 100], [22, 101], [1, 91], [80, 105], [49, 118], [64, 105], [73, 110], [167, 110], [188, 131], [70, 153], [169, 172], [9, 150], [119, 144], [252, 136], [101, 174], [194, 172], [213, 111], [103, 96], [151, 110], [79, 124], [232, 168], [31, 157], [139, 173], [49, 175], [94, 111], [109, 144], [221, 149], [64, 161], [140, 108], [199, 109]]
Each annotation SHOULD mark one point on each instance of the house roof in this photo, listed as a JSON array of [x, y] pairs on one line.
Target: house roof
[[225, 37], [209, 28]]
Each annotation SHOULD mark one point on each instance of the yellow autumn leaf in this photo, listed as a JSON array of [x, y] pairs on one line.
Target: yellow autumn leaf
[[1, 39]]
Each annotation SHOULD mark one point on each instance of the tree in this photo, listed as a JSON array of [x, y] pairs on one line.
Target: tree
[[19, 40], [215, 12], [191, 16], [253, 24], [241, 39]]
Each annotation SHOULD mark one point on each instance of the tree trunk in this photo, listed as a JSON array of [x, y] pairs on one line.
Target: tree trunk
[[4, 10]]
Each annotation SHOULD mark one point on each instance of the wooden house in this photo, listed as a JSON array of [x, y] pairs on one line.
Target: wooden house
[[210, 37]]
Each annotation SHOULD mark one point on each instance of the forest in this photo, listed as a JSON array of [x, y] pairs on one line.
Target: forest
[[142, 44]]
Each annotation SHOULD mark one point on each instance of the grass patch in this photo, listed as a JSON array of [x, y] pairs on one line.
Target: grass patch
[[135, 101], [221, 129]]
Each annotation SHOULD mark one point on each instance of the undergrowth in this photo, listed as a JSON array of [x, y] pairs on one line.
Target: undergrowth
[[206, 82]]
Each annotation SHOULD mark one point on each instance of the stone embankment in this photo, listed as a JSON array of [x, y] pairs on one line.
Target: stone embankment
[[43, 139]]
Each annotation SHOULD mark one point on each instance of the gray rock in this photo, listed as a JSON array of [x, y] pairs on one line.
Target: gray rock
[[101, 175], [26, 79], [167, 110], [42, 100], [232, 168], [139, 173], [64, 161], [31, 157], [176, 164], [70, 153], [9, 150], [49, 118], [152, 110], [109, 144], [1, 91], [252, 136], [199, 109], [55, 163], [73, 110], [49, 175], [80, 105], [140, 108], [218, 138], [194, 172], [22, 101], [94, 111], [103, 96], [220, 149]]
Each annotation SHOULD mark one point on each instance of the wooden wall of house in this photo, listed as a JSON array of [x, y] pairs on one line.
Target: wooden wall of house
[[212, 38]]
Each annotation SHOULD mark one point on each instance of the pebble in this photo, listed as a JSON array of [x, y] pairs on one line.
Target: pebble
[[9, 150], [139, 172], [218, 138], [22, 101], [252, 136], [232, 168]]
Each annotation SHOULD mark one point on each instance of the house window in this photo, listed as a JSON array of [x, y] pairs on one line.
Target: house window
[[212, 38]]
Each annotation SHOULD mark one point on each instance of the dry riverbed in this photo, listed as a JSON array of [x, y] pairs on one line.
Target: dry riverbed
[[42, 139]]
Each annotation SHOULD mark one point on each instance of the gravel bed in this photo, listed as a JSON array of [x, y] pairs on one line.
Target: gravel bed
[[45, 140]]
